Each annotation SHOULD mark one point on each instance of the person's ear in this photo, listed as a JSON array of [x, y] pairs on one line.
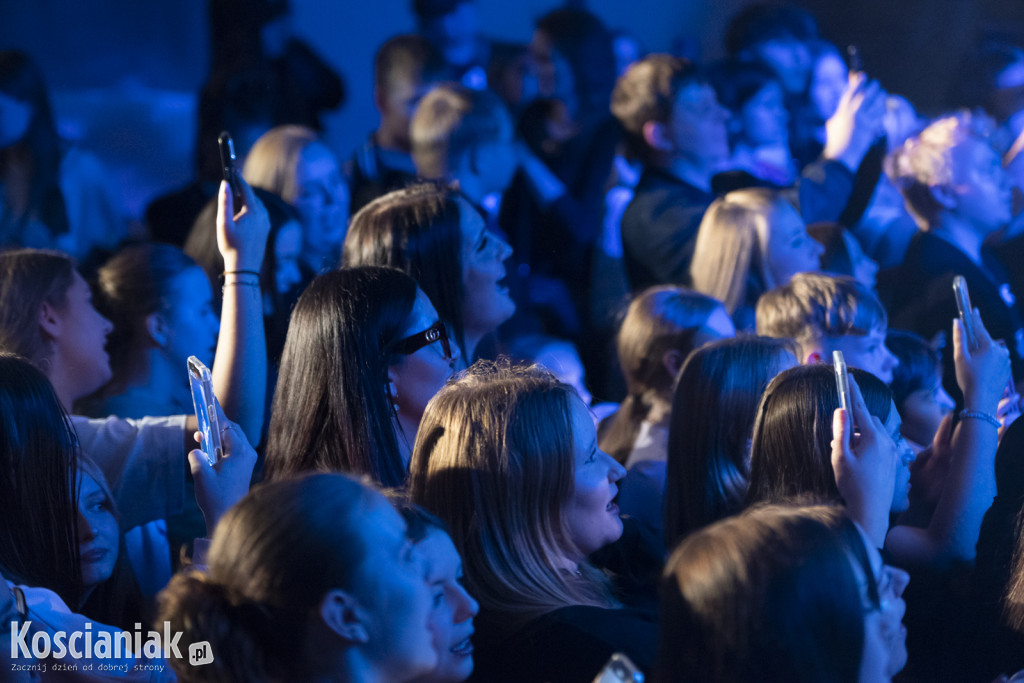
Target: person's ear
[[342, 614], [672, 360], [49, 321], [944, 195], [156, 328], [392, 386], [656, 136], [378, 99]]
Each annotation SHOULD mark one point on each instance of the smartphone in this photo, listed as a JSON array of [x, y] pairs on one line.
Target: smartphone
[[620, 669], [842, 381], [853, 59], [206, 409], [963, 305], [229, 169]]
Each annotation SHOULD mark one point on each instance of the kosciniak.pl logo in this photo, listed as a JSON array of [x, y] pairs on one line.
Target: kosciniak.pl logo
[[103, 643]]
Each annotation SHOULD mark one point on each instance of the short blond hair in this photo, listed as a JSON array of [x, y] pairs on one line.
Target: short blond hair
[[925, 161], [813, 306]]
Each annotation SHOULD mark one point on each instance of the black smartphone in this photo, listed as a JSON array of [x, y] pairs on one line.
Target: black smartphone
[[963, 306], [853, 60], [229, 169]]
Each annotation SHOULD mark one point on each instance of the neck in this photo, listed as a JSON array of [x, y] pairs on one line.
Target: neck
[[694, 173], [406, 436], [473, 340], [960, 234], [64, 385]]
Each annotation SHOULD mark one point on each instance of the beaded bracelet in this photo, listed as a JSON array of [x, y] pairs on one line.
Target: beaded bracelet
[[984, 417]]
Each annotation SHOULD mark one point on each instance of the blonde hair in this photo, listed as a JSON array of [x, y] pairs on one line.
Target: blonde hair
[[926, 160], [731, 246], [813, 306], [494, 459], [274, 157]]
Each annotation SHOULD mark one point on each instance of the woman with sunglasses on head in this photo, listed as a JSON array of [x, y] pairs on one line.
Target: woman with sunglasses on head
[[365, 353]]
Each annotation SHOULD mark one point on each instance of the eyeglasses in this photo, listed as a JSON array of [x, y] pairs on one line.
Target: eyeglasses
[[414, 342]]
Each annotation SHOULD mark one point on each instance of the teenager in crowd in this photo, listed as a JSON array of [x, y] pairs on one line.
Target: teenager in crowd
[[435, 235], [310, 578], [365, 353], [662, 325], [527, 500]]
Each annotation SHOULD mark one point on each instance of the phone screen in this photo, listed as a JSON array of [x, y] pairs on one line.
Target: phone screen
[[963, 306], [842, 381], [853, 60], [206, 410]]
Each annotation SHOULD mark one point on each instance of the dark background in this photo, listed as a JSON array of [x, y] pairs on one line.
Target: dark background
[[124, 73]]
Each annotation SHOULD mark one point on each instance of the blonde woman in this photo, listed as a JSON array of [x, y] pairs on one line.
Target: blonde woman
[[507, 456], [750, 241], [293, 163]]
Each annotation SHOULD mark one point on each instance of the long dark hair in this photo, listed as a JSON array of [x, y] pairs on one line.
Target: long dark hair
[[791, 454], [713, 410], [769, 595], [274, 556], [658, 320], [419, 231], [22, 79], [331, 410], [38, 483]]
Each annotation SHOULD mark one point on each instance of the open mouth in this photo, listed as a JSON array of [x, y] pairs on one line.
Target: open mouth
[[613, 505], [463, 649]]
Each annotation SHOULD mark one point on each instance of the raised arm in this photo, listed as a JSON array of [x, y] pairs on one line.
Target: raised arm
[[970, 484], [240, 367], [865, 466]]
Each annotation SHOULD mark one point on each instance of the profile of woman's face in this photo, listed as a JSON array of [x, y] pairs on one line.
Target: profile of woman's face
[[487, 302], [592, 515], [321, 196], [416, 377], [790, 250], [452, 609], [98, 534], [393, 597]]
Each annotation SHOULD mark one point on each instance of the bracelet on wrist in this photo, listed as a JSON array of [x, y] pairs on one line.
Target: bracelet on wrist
[[255, 273], [241, 283], [984, 417]]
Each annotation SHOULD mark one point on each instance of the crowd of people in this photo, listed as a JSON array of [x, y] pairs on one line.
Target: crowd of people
[[540, 375]]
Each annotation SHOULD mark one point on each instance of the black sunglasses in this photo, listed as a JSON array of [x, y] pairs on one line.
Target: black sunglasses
[[415, 342]]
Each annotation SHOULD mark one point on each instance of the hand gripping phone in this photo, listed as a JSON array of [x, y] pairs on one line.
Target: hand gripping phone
[[620, 669], [206, 409], [963, 306], [229, 169]]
